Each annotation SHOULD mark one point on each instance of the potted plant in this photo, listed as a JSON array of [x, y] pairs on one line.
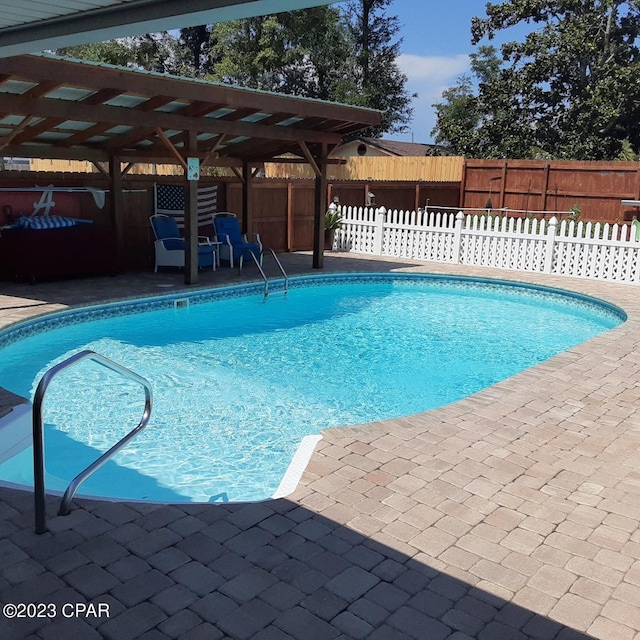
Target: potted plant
[[332, 221]]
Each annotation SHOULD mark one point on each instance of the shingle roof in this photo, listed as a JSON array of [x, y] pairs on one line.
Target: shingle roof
[[398, 148]]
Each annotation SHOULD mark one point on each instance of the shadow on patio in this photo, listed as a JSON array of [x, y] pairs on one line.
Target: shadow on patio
[[263, 570]]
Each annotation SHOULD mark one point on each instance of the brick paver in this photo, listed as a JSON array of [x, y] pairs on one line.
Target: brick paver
[[510, 514]]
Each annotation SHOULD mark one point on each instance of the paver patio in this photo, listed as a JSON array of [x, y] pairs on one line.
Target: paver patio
[[511, 514]]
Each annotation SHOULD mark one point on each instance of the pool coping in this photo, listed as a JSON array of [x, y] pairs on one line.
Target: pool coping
[[10, 402]]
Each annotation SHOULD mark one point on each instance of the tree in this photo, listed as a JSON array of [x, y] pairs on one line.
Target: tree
[[251, 52], [376, 80], [348, 56], [157, 52], [114, 52], [298, 52], [154, 52], [320, 41], [570, 89], [302, 53], [195, 45]]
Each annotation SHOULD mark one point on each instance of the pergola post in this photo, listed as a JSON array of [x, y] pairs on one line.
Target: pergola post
[[191, 213], [247, 187], [117, 207], [319, 207]]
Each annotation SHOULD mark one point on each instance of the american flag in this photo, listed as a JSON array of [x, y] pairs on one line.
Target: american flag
[[169, 199]]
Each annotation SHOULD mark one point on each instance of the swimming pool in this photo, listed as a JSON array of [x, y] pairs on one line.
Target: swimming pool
[[239, 383]]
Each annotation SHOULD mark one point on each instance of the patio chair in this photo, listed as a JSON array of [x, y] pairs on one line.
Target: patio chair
[[170, 245], [234, 244]]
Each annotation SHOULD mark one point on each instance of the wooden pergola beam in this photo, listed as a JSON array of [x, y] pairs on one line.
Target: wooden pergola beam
[[238, 174], [172, 149], [100, 167], [66, 72], [56, 152], [310, 159], [213, 153], [7, 140], [48, 107]]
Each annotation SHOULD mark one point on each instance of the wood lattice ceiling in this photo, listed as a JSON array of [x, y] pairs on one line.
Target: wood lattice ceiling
[[53, 107]]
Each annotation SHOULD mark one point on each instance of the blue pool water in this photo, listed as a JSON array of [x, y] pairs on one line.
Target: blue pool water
[[238, 382]]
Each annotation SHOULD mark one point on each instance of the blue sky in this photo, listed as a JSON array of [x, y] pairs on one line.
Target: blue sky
[[435, 51]]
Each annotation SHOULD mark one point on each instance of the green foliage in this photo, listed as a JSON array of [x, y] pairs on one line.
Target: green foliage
[[249, 52], [627, 153], [195, 49], [154, 51], [112, 52], [348, 56], [332, 219], [570, 89], [375, 79], [345, 55]]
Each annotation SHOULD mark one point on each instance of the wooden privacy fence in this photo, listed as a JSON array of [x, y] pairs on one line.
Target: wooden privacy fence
[[378, 168], [570, 248], [82, 166], [597, 188]]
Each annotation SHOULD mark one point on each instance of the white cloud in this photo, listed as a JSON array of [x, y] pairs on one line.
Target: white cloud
[[429, 76], [433, 69]]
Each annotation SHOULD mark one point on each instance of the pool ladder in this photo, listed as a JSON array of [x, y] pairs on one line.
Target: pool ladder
[[261, 270], [38, 433]]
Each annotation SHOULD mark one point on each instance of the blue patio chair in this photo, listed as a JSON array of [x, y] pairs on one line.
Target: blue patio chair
[[170, 245], [234, 245]]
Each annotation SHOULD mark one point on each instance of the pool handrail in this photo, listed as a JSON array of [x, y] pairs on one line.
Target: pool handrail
[[282, 271], [38, 433], [261, 270]]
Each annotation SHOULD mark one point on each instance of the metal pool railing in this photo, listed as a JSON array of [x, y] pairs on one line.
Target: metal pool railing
[[38, 433], [261, 270]]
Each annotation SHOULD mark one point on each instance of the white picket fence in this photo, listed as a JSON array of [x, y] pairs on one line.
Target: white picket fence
[[588, 250]]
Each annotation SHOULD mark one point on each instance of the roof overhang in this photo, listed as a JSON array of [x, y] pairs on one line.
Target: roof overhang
[[52, 107], [30, 26]]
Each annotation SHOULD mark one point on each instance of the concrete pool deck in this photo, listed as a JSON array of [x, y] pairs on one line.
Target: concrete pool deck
[[512, 514]]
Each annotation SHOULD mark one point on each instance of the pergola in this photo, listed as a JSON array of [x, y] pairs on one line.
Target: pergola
[[52, 107]]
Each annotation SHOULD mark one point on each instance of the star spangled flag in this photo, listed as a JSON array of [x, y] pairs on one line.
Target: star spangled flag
[[169, 199]]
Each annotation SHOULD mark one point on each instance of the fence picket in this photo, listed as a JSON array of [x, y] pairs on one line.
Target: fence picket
[[603, 252]]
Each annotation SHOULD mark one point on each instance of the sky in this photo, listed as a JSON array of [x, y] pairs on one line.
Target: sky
[[435, 51]]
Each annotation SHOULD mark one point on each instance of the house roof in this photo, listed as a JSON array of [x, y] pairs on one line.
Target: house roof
[[28, 26], [55, 107], [397, 148]]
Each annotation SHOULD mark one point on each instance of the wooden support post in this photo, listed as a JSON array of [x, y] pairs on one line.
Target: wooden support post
[[463, 184], [545, 187], [117, 208], [320, 208], [289, 216], [503, 184], [246, 196], [190, 214]]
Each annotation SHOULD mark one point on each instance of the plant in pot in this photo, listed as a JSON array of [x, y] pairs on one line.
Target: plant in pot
[[332, 221]]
